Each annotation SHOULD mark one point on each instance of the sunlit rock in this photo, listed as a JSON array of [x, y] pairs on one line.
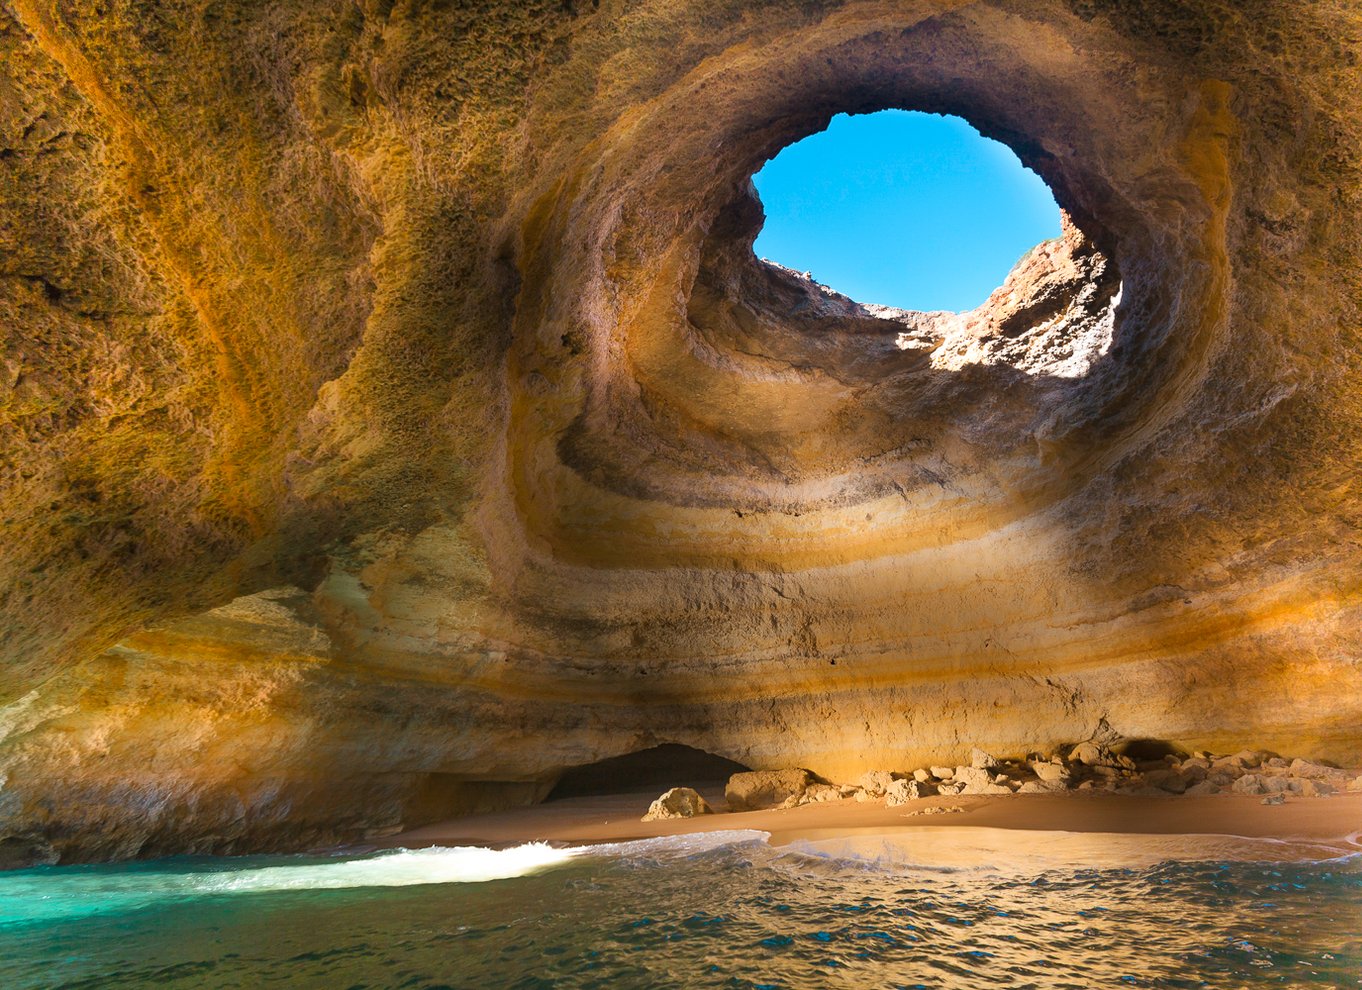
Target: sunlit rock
[[679, 802], [393, 414], [765, 788]]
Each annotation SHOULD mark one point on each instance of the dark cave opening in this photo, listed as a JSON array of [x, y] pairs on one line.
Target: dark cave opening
[[659, 767]]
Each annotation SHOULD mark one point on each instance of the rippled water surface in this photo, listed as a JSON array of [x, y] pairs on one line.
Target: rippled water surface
[[723, 910]]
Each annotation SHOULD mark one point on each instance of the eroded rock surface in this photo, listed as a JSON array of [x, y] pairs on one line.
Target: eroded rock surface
[[393, 414], [679, 802]]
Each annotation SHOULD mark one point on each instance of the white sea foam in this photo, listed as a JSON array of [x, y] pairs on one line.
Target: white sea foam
[[31, 895], [400, 868]]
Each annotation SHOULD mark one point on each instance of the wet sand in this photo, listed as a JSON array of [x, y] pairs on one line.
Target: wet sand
[[1069, 828]]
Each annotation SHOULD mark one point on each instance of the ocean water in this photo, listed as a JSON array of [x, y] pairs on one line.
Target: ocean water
[[719, 910]]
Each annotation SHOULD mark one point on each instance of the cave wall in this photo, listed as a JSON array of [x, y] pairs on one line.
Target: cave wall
[[392, 413]]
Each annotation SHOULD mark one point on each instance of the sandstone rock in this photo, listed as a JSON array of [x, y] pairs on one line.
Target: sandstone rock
[[1248, 784], [679, 802], [943, 773], [950, 788], [937, 810], [1193, 773], [1088, 753], [903, 791], [973, 777], [922, 776], [821, 793], [1355, 784], [1310, 787], [977, 780], [1205, 787], [1305, 768], [1278, 785], [1274, 799], [1167, 780], [1050, 772], [981, 760], [876, 782], [1095, 754], [765, 788]]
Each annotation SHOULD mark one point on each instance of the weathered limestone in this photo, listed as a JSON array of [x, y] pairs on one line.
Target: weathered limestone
[[765, 788], [679, 802], [393, 414]]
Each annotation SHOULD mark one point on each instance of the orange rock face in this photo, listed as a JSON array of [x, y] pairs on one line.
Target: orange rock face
[[393, 414]]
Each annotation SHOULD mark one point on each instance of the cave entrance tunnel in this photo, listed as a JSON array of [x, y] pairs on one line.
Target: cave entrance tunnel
[[657, 768]]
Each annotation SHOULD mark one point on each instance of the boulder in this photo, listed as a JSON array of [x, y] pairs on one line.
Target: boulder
[[1204, 787], [756, 789], [1310, 787], [679, 802], [1305, 768], [818, 793], [1167, 780], [903, 791], [972, 777], [922, 776], [981, 760], [876, 782], [1043, 787], [943, 773], [1194, 772], [1355, 784], [977, 780], [1249, 783], [1050, 772], [1095, 754]]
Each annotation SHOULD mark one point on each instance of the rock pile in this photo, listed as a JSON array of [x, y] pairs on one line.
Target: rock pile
[[1090, 766]]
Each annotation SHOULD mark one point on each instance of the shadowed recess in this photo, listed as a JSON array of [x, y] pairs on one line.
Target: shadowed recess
[[668, 765]]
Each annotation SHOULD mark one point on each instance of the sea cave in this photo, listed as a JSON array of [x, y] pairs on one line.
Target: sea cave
[[413, 468]]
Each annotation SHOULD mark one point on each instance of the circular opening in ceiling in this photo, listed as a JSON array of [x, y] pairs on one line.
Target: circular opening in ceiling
[[911, 210]]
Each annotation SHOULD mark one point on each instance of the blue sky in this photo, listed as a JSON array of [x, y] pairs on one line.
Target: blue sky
[[903, 208]]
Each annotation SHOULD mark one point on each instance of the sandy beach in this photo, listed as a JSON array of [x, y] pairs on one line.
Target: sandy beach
[[1096, 829]]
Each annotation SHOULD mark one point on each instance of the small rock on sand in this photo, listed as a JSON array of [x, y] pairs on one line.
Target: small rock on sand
[[679, 802], [1274, 799]]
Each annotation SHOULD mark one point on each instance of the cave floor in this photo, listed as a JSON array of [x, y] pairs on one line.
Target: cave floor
[[984, 828]]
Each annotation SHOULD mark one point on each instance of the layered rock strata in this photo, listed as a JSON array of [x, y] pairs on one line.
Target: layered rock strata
[[393, 414]]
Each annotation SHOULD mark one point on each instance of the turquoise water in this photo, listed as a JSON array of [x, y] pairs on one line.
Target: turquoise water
[[720, 910]]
